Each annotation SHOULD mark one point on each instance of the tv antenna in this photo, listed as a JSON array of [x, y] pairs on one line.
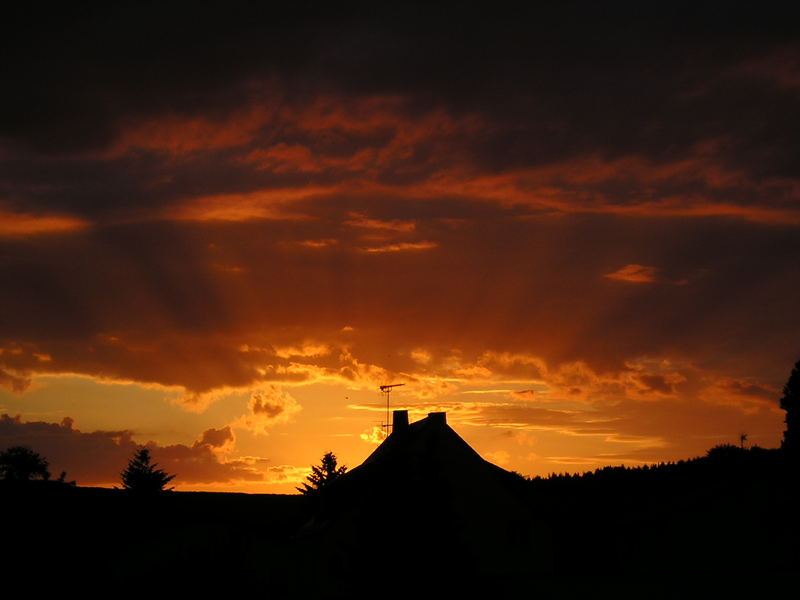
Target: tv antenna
[[387, 389]]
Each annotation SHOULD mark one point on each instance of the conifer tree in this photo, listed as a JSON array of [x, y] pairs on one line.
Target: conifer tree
[[790, 402], [142, 477], [323, 474]]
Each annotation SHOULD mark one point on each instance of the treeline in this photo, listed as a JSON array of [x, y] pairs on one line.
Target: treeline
[[692, 515], [720, 463], [725, 472], [21, 466]]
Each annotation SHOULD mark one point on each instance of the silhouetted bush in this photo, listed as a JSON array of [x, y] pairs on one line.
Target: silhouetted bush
[[725, 452], [19, 463]]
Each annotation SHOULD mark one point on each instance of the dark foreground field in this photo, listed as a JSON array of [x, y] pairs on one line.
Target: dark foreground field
[[721, 528], [107, 540]]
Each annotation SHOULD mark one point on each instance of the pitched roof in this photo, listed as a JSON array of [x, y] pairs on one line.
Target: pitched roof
[[433, 496], [428, 452]]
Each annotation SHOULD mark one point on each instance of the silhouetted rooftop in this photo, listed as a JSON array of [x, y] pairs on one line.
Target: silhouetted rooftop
[[425, 489]]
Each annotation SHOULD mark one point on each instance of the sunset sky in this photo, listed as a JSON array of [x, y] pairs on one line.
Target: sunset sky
[[575, 229]]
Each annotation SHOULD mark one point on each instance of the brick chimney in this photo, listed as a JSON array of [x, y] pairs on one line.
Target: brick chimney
[[399, 420]]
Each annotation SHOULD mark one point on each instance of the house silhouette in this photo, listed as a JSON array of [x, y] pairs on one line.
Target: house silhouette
[[425, 497]]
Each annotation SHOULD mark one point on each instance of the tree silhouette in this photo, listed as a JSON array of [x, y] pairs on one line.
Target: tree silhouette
[[323, 474], [790, 402], [724, 452], [142, 477], [19, 463]]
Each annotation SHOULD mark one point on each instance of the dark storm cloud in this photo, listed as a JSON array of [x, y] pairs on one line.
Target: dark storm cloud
[[217, 438], [121, 113], [174, 304], [555, 80], [449, 178]]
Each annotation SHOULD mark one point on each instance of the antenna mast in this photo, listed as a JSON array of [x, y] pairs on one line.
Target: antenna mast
[[387, 389]]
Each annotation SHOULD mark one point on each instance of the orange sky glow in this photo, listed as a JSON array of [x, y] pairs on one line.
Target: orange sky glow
[[587, 265]]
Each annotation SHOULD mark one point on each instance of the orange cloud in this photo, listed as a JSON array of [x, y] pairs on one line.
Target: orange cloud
[[285, 473], [597, 186], [635, 274], [309, 349], [321, 243], [747, 396], [21, 224], [267, 407], [220, 440], [15, 383], [401, 247], [374, 435], [261, 204], [358, 220], [282, 158], [179, 135]]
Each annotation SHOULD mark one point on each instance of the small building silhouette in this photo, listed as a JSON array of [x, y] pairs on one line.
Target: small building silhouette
[[425, 497]]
